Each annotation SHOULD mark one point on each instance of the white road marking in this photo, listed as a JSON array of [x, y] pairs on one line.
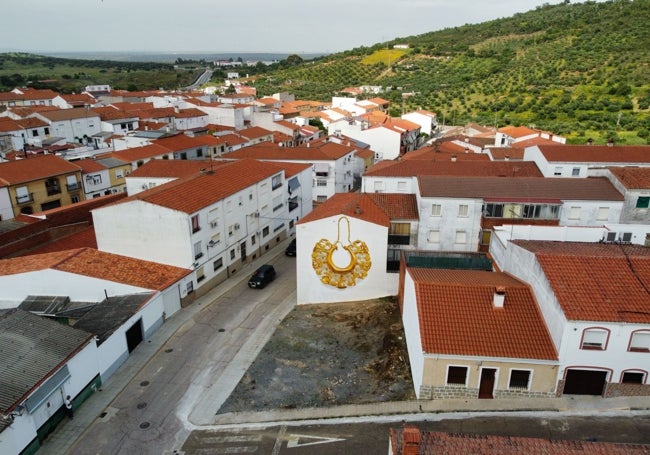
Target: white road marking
[[294, 440]]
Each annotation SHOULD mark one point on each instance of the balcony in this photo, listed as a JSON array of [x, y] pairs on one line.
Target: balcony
[[73, 186], [53, 189], [293, 206], [399, 239], [25, 198]]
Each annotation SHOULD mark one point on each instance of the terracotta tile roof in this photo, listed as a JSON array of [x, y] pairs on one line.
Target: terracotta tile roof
[[98, 264], [444, 152], [596, 153], [111, 113], [291, 169], [190, 113], [397, 206], [175, 168], [595, 281], [24, 111], [7, 125], [403, 442], [346, 204], [632, 178], [208, 188], [457, 315], [35, 168], [254, 132], [327, 152], [139, 153], [68, 114], [525, 188], [89, 165], [411, 168], [83, 239], [32, 122], [501, 153], [517, 131], [29, 94], [131, 107], [178, 142]]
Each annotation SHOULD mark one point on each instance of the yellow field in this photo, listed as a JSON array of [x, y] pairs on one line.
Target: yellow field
[[386, 56]]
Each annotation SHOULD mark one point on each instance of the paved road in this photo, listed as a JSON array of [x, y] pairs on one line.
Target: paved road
[[202, 79], [194, 370], [367, 437]]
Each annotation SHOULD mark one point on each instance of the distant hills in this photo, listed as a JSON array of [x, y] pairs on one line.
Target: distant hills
[[171, 57]]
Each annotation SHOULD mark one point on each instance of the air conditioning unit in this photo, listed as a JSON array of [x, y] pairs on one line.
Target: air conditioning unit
[[212, 243]]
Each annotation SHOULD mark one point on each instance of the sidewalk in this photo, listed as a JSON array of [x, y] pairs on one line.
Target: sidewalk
[[567, 404]]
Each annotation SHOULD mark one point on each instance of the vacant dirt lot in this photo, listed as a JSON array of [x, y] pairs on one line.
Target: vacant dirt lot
[[326, 355]]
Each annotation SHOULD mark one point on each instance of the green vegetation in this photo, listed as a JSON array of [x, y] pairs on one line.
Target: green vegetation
[[73, 75], [578, 70]]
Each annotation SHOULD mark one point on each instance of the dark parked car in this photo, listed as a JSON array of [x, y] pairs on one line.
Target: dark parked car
[[262, 276], [291, 249]]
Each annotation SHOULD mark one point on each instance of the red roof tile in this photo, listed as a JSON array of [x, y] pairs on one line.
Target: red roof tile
[[35, 168], [457, 315], [632, 178], [437, 443], [411, 168], [596, 282], [98, 264], [175, 168], [208, 188], [347, 204], [525, 188], [266, 151]]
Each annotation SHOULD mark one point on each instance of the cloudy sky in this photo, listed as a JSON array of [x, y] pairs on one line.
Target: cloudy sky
[[283, 26]]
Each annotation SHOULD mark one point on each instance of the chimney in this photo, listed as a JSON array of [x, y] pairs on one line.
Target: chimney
[[411, 438], [499, 296]]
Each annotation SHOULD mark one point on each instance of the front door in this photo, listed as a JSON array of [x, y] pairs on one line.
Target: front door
[[242, 248], [486, 388]]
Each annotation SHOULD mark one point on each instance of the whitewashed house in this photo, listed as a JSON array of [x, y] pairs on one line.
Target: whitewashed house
[[333, 164], [426, 119], [634, 184], [363, 233], [475, 334], [458, 213], [594, 299], [585, 160], [76, 125], [237, 212]]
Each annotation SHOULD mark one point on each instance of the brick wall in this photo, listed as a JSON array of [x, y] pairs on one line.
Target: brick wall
[[626, 390]]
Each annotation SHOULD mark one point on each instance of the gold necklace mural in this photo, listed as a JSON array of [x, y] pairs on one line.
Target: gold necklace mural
[[330, 273]]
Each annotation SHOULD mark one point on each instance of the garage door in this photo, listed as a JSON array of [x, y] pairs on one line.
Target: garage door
[[584, 382]]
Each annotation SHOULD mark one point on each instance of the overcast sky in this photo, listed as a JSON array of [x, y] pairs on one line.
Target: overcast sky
[[283, 26]]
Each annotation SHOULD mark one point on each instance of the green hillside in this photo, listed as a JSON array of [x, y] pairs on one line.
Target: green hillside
[[576, 69]]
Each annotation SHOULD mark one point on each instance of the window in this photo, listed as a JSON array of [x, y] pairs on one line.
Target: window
[[277, 203], [321, 182], [75, 198], [35, 133], [378, 186], [401, 186], [519, 379], [626, 237], [461, 237], [557, 171], [640, 341], [265, 231], [643, 202], [493, 211], [486, 235], [200, 275], [433, 237], [216, 265], [633, 377], [195, 224], [198, 250], [119, 174], [52, 186], [190, 287], [575, 172], [603, 214], [199, 152], [232, 254], [276, 181], [594, 339], [463, 210], [457, 376], [436, 210], [252, 240], [574, 213]]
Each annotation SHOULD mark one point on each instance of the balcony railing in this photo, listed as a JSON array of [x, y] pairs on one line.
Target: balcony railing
[[25, 198], [292, 206], [73, 186], [399, 239], [52, 190]]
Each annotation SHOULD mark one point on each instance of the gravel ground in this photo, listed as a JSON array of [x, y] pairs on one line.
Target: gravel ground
[[327, 355]]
